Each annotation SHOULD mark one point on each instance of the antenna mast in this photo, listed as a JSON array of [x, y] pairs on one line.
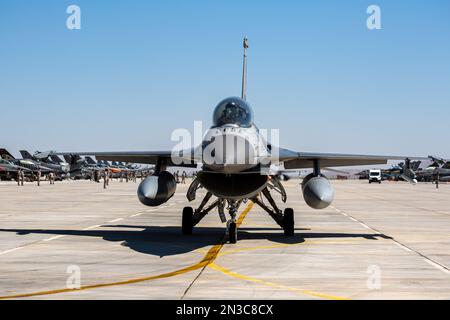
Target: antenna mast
[[244, 71]]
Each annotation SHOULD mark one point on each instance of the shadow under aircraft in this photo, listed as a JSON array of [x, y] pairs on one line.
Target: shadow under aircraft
[[168, 240]]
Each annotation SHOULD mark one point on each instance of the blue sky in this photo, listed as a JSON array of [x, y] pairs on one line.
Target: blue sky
[[137, 70]]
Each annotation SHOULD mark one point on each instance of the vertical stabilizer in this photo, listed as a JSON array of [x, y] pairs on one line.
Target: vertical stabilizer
[[244, 71]]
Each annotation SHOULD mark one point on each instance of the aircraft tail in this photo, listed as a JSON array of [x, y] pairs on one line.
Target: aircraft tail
[[89, 160], [244, 71], [55, 158], [408, 174], [26, 155], [4, 154]]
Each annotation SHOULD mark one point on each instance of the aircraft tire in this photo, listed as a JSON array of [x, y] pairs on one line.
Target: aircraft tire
[[288, 222], [232, 232], [187, 223]]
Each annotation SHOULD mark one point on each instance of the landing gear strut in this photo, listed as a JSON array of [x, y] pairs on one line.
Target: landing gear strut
[[231, 224], [283, 219], [192, 217]]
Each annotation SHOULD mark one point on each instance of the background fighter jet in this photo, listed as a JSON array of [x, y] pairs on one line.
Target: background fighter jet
[[32, 165], [53, 162], [238, 172], [8, 171], [436, 168]]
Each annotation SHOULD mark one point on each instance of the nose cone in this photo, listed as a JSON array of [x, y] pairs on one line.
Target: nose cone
[[318, 193], [230, 152]]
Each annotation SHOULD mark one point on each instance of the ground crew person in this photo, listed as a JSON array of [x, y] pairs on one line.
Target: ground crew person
[[127, 175], [18, 177], [105, 179], [183, 177], [39, 177], [22, 177], [437, 180], [50, 177]]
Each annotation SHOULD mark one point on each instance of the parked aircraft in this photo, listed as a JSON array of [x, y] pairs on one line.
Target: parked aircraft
[[236, 173]]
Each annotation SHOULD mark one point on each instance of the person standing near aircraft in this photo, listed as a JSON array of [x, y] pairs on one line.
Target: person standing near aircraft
[[183, 177], [39, 177], [51, 177], [437, 179], [22, 177], [18, 177], [105, 178]]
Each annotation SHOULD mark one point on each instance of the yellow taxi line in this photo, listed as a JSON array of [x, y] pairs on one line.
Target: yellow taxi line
[[272, 284], [210, 256]]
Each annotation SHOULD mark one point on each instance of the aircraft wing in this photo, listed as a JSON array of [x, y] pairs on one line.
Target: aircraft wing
[[146, 157], [299, 160]]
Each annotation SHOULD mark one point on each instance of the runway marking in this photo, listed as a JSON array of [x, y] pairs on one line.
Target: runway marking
[[282, 245], [10, 250], [272, 284], [55, 237], [206, 261], [91, 227], [403, 247], [137, 214], [209, 258], [216, 248], [428, 260], [438, 266]]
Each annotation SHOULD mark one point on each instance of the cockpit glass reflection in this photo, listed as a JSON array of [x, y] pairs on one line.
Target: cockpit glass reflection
[[233, 111]]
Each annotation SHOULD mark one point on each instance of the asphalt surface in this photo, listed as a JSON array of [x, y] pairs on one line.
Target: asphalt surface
[[388, 241]]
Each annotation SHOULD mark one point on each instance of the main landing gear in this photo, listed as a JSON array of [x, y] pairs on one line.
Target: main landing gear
[[191, 217]]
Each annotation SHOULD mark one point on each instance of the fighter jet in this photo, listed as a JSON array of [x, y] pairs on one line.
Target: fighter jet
[[234, 160], [436, 168], [51, 161], [8, 171], [32, 165]]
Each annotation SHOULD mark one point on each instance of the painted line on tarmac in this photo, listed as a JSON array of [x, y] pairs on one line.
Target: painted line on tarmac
[[428, 260], [272, 284], [209, 258], [65, 235], [216, 249], [10, 250], [436, 265], [284, 245], [92, 227], [54, 238]]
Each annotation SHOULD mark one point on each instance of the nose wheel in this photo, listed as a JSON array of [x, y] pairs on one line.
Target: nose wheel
[[232, 232], [288, 222], [187, 223]]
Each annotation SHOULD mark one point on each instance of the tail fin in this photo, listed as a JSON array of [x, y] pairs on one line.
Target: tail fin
[[90, 160], [26, 155], [56, 159], [68, 158], [244, 71], [408, 174], [4, 154]]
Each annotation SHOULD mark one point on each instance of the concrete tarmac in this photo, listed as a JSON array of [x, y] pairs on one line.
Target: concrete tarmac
[[387, 241]]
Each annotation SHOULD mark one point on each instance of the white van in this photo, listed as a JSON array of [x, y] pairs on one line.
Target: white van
[[375, 175]]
